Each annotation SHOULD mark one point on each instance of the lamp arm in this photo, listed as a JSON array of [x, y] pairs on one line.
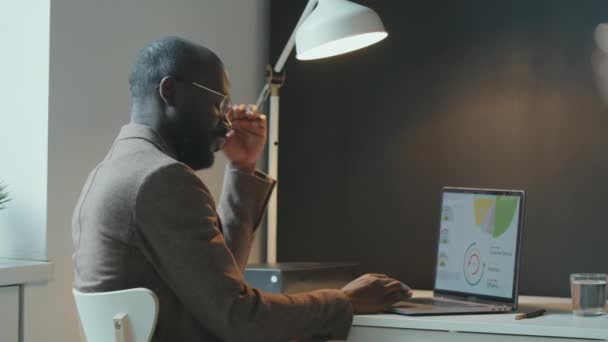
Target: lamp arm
[[274, 80], [278, 67]]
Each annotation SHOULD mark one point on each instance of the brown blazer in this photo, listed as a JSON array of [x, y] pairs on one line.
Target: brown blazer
[[146, 220]]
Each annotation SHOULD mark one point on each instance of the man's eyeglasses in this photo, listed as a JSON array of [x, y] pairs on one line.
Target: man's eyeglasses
[[225, 105], [224, 126]]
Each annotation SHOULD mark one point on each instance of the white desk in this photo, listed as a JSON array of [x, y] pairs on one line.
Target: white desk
[[13, 274], [17, 272], [557, 325]]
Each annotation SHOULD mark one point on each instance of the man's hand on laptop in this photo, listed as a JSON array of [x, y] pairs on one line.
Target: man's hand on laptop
[[373, 293]]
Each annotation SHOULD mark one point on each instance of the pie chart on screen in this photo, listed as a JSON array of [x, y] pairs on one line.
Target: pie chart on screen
[[494, 215]]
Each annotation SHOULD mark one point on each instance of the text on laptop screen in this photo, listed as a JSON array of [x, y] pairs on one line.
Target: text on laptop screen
[[477, 243]]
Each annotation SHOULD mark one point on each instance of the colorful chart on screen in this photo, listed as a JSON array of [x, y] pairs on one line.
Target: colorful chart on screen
[[473, 266], [477, 243], [494, 215]]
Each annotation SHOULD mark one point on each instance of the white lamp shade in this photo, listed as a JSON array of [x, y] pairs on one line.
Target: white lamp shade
[[336, 27]]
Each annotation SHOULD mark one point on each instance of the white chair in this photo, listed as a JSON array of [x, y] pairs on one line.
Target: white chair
[[121, 316]]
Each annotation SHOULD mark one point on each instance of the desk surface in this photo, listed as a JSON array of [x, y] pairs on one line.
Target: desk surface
[[15, 272], [557, 322]]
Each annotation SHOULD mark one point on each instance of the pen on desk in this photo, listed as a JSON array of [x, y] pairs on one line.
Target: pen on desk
[[531, 314]]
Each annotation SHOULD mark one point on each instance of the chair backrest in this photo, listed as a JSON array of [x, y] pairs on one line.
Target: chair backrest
[[122, 316]]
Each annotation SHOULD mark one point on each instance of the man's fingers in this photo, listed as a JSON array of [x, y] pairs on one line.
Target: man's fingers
[[247, 112], [241, 132], [378, 275], [396, 291], [394, 297], [257, 126], [251, 111], [238, 112], [398, 287], [249, 129], [394, 285]]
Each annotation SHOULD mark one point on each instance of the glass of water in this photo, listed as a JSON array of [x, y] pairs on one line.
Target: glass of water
[[588, 293]]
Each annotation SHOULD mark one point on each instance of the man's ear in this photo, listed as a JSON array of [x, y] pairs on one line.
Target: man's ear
[[167, 90]]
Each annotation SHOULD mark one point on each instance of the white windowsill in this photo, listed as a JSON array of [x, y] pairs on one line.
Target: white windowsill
[[16, 272]]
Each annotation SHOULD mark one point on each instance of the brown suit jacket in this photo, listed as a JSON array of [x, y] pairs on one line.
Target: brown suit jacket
[[146, 220]]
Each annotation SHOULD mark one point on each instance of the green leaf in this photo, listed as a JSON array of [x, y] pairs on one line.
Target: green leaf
[[3, 196]]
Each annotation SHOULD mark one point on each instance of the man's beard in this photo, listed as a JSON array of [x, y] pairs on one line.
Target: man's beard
[[197, 156]]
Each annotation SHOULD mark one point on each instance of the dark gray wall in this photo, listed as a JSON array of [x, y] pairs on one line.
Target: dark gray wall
[[497, 94]]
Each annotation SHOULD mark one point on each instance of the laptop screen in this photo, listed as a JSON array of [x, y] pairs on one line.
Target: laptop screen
[[479, 241]]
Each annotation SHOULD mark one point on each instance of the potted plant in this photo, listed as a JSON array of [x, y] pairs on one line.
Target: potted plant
[[3, 196]]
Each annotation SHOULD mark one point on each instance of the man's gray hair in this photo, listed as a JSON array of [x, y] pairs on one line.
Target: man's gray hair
[[169, 56]]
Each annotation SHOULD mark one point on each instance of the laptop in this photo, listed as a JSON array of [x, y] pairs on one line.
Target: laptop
[[478, 253]]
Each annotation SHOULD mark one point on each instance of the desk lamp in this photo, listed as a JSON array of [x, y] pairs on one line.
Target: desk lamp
[[326, 28]]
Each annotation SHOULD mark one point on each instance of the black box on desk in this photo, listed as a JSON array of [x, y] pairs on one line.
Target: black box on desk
[[293, 277]]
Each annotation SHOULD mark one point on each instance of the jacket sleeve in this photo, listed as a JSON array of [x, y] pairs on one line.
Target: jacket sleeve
[[241, 208], [177, 225]]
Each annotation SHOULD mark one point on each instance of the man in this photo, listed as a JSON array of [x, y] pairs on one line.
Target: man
[[144, 219]]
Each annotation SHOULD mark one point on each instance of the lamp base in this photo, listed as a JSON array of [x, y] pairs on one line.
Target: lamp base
[[294, 277]]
